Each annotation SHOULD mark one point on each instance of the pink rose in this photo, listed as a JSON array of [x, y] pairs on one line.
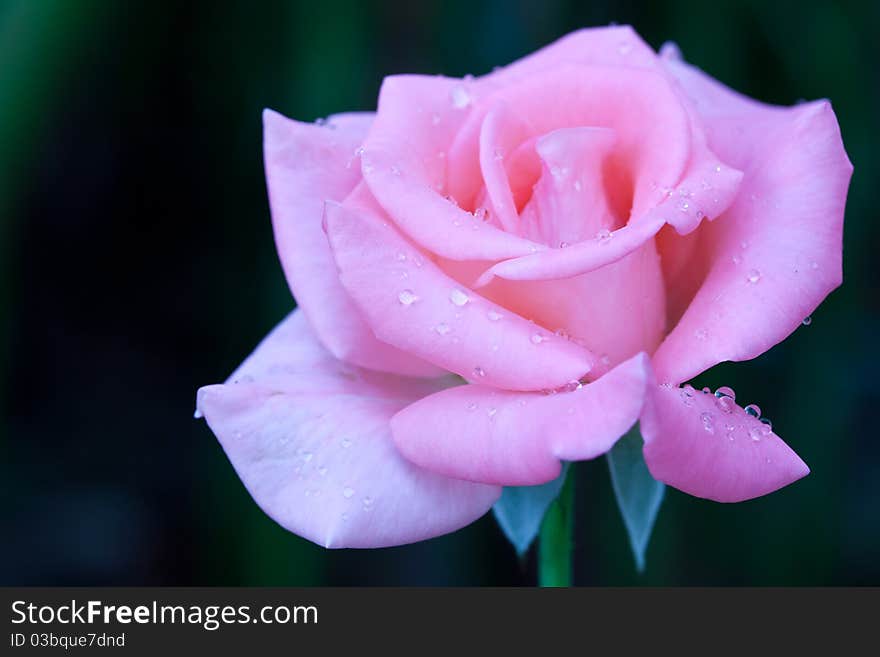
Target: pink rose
[[593, 221]]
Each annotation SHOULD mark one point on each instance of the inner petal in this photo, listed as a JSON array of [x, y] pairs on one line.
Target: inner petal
[[570, 201]]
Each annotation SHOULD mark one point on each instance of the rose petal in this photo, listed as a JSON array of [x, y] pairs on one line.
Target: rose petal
[[691, 443], [570, 202], [305, 165], [413, 305], [310, 439], [518, 439], [501, 133], [405, 168], [776, 253]]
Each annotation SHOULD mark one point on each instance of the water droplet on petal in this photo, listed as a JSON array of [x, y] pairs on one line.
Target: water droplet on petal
[[347, 492], [493, 316], [460, 97], [701, 334], [755, 433], [491, 412], [578, 186], [458, 297], [498, 154], [725, 391], [442, 329], [708, 422], [706, 390], [807, 321], [725, 404], [537, 338], [407, 297], [472, 406], [479, 371], [754, 276], [604, 236], [766, 426], [753, 409], [346, 443], [322, 471]]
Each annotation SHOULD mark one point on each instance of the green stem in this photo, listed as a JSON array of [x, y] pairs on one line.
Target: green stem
[[556, 539]]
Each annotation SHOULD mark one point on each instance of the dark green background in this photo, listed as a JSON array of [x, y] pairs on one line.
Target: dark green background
[[138, 264]]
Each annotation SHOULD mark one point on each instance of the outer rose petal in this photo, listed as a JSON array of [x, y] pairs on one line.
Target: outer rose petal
[[310, 439], [776, 253], [518, 439], [307, 164], [410, 303], [691, 444]]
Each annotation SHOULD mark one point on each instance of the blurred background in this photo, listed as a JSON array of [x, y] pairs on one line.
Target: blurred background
[[138, 264]]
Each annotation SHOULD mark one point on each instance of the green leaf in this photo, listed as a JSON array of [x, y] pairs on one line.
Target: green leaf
[[520, 509], [638, 494]]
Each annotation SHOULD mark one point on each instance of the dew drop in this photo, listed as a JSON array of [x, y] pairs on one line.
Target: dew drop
[[706, 390], [578, 186], [537, 338], [807, 321], [754, 276], [479, 371], [725, 404], [563, 245], [367, 503], [322, 471], [491, 412], [307, 457], [766, 426], [755, 433], [481, 214], [460, 97], [604, 236], [458, 297], [472, 406], [442, 329], [725, 391], [493, 315], [407, 297], [347, 492], [753, 409], [401, 257], [701, 334], [684, 206], [498, 155], [346, 443], [708, 422]]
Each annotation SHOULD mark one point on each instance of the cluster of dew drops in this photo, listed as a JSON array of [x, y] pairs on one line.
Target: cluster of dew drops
[[725, 401]]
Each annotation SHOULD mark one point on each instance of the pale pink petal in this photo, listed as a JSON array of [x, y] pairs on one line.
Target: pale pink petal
[[712, 448], [776, 253], [617, 45], [307, 164], [310, 439], [413, 305], [404, 164], [518, 439], [578, 258]]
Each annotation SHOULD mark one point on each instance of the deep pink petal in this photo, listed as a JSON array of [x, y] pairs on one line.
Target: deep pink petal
[[502, 132], [518, 439], [695, 445], [307, 164], [310, 439], [776, 253], [570, 202], [413, 305]]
